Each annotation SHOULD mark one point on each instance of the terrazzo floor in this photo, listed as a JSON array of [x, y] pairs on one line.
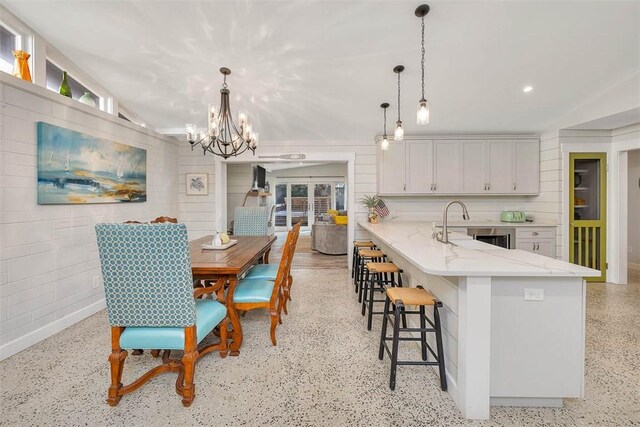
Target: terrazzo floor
[[324, 372]]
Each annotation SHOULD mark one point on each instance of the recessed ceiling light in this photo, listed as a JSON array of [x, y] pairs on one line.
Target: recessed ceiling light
[[527, 89]]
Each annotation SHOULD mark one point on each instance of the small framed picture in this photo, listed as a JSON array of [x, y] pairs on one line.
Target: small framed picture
[[197, 184]]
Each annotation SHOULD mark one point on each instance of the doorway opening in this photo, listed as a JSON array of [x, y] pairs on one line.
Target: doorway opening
[[309, 193]]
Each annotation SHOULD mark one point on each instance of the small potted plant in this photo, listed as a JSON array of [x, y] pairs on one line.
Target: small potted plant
[[371, 202]]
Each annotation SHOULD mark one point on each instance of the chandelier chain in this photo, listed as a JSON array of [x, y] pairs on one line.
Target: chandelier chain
[[422, 63]]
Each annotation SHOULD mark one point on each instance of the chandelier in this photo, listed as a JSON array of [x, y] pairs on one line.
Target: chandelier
[[222, 137]]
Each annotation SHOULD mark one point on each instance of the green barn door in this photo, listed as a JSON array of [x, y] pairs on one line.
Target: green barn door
[[588, 211]]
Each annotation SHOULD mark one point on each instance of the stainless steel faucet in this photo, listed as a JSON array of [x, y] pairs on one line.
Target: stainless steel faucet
[[444, 238]]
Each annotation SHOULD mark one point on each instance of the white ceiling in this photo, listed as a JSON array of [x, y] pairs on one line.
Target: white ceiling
[[314, 70]]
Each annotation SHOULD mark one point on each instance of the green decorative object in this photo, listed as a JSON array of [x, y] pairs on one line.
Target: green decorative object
[[88, 99], [65, 89]]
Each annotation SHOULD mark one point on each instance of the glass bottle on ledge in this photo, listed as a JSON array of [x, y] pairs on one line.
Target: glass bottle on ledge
[[65, 89]]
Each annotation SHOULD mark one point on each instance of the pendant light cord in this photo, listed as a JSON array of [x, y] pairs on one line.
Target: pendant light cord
[[385, 121], [398, 96], [423, 57]]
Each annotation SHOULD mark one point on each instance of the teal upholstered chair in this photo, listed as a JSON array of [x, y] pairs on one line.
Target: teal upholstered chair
[[251, 221], [270, 271], [151, 303], [266, 292]]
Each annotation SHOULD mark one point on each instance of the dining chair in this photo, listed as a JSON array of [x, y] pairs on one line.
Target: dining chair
[[151, 303], [164, 219], [251, 221], [270, 271], [261, 292]]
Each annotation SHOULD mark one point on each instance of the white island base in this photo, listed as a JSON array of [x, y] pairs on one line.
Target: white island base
[[513, 322]]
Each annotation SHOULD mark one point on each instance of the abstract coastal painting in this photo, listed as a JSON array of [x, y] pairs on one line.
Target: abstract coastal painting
[[75, 168]]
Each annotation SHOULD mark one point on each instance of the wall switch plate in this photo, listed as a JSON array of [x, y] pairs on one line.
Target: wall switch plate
[[533, 294], [96, 282]]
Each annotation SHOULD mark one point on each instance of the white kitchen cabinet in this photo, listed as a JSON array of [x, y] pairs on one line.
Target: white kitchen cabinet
[[474, 167], [541, 241], [447, 167], [526, 167], [419, 170], [459, 167], [391, 169], [498, 167]]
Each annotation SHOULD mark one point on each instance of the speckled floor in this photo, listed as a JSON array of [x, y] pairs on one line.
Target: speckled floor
[[323, 372]]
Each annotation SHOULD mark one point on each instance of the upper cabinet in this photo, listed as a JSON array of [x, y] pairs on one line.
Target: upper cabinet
[[391, 178], [460, 167]]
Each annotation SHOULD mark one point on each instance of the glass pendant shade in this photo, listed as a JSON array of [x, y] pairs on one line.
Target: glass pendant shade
[[385, 143], [398, 134], [422, 115]]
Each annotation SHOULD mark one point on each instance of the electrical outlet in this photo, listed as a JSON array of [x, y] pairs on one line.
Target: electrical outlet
[[96, 282], [532, 294]]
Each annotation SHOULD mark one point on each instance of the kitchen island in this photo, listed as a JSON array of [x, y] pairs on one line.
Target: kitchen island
[[513, 322]]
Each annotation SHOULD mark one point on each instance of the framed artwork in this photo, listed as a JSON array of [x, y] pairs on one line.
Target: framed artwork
[[76, 168], [197, 184]]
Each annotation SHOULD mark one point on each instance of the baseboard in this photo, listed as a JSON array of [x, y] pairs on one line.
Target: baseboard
[[24, 342], [633, 266]]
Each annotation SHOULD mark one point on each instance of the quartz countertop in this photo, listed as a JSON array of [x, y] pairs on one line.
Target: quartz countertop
[[490, 223], [466, 257]]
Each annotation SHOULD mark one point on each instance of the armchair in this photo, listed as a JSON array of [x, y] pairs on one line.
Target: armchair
[[151, 303]]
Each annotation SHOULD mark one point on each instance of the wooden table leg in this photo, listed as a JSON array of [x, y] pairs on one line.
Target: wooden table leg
[[236, 333], [265, 258]]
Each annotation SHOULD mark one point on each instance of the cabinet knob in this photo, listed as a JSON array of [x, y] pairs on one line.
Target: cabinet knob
[[404, 187], [488, 186], [514, 186], [535, 233]]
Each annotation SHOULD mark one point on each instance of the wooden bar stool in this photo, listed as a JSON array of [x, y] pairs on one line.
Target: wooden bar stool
[[365, 256], [420, 297], [357, 245], [378, 277]]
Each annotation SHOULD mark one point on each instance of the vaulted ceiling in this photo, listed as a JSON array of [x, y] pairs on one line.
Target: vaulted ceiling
[[314, 70]]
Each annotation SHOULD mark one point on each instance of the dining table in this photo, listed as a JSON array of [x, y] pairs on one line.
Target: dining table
[[223, 268]]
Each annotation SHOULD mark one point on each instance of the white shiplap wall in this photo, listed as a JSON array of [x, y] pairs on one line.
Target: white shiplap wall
[[48, 254]]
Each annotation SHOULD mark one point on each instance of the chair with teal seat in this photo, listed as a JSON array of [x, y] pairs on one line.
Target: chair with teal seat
[[151, 303], [264, 292], [270, 271], [251, 221]]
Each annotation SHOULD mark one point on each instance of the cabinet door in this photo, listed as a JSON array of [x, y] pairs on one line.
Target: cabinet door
[[391, 169], [546, 247], [474, 178], [447, 167], [499, 167], [419, 166], [526, 167]]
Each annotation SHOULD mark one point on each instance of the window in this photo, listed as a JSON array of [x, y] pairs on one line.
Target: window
[[54, 78], [122, 116], [8, 43]]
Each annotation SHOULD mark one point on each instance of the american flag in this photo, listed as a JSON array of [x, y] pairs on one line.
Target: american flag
[[381, 209]]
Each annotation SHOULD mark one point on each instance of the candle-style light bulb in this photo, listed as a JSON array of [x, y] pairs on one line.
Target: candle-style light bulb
[[385, 143], [242, 118]]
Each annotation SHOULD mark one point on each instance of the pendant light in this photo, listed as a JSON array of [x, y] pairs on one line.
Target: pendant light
[[398, 134], [384, 144], [422, 115]]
